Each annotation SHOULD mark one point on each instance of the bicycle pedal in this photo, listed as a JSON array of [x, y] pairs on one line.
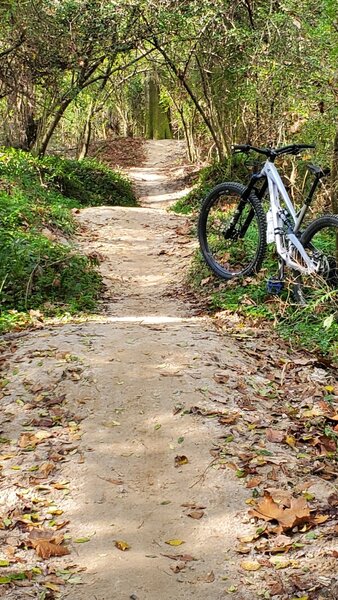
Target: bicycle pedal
[[274, 286]]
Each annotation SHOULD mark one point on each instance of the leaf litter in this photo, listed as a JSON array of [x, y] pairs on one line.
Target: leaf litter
[[278, 436], [44, 440]]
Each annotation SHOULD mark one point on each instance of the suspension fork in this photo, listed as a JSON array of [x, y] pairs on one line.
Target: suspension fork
[[242, 203]]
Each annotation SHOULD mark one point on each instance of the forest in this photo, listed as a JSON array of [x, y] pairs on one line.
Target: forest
[[78, 73], [215, 73], [165, 432]]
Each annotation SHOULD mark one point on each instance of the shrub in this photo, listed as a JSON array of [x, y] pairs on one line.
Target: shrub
[[37, 272]]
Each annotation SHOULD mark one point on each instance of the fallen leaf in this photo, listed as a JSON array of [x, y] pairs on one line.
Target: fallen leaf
[[228, 419], [82, 540], [275, 435], [174, 542], [46, 549], [250, 565], [297, 514], [32, 439], [280, 543], [196, 514], [75, 580], [333, 499], [254, 482], [181, 460], [280, 562], [290, 441], [179, 566], [242, 549], [182, 557], [4, 563], [51, 586], [319, 519], [221, 377], [113, 481], [121, 545]]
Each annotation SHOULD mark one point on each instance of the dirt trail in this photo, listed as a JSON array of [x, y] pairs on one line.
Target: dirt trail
[[125, 379]]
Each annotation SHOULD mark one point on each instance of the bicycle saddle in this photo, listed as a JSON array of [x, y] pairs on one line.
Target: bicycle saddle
[[318, 171]]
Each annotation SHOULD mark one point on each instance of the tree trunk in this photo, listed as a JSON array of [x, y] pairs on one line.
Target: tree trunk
[[182, 79], [84, 146], [158, 123], [41, 146]]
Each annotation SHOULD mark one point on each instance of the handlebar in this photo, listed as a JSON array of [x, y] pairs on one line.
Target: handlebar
[[271, 152]]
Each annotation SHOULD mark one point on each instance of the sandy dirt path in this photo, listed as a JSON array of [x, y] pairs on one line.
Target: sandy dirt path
[[134, 464]]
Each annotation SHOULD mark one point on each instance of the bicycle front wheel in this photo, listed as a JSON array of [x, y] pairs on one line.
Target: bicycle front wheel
[[320, 239], [232, 232]]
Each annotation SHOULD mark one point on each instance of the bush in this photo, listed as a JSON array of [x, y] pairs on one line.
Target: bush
[[88, 181], [37, 271]]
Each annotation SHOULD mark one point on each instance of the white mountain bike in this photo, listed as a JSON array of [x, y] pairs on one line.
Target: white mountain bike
[[234, 230]]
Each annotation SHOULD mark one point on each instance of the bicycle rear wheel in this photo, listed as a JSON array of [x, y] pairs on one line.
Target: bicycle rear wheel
[[320, 239], [232, 232]]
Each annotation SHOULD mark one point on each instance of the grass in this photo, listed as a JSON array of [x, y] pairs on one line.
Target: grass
[[313, 327], [40, 269]]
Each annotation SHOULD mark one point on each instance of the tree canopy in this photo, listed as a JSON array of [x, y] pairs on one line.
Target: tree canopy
[[215, 72]]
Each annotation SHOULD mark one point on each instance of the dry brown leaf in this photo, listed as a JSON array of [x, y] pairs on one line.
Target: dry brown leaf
[[276, 588], [221, 377], [46, 549], [32, 439], [319, 519], [196, 514], [254, 482], [113, 481], [333, 499], [297, 514], [228, 419], [242, 549], [280, 543], [275, 435], [61, 525], [179, 566], [281, 497], [182, 557], [46, 468]]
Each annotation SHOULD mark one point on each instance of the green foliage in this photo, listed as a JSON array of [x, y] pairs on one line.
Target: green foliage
[[235, 168], [35, 271], [89, 182], [39, 268], [313, 327]]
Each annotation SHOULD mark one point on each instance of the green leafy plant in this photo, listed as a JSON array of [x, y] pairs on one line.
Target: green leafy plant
[[40, 269]]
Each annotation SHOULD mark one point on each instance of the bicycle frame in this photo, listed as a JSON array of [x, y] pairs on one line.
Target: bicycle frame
[[279, 219]]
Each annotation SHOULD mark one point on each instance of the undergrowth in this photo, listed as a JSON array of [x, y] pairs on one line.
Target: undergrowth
[[40, 270], [236, 168], [313, 327]]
